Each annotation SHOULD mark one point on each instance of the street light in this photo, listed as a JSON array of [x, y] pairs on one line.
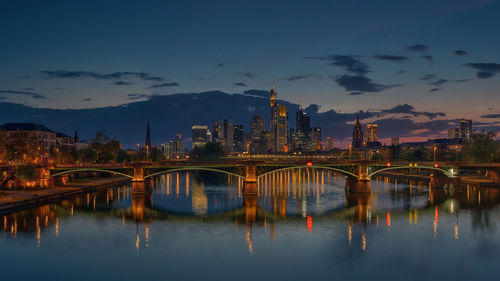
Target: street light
[[435, 148]]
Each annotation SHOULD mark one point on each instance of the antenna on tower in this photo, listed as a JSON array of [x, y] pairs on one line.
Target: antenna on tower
[[274, 84]]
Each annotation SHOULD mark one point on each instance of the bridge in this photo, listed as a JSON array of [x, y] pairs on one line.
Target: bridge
[[358, 173]]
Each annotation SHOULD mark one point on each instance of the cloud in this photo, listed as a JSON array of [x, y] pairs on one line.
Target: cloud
[[491, 116], [461, 80], [28, 89], [426, 77], [350, 63], [163, 85], [428, 58], [391, 58], [55, 74], [240, 84], [220, 64], [356, 93], [136, 96], [401, 72], [418, 48], [460, 53], [484, 70], [247, 74], [360, 83], [297, 77], [439, 82], [257, 93], [123, 83], [87, 99], [24, 93], [410, 109], [434, 89]]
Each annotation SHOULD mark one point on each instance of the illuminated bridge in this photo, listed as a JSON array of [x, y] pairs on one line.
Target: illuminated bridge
[[359, 173]]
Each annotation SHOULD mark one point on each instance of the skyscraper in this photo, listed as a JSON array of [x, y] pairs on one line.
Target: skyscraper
[[316, 139], [238, 138], [228, 135], [357, 135], [257, 127], [371, 132], [329, 144], [148, 137], [302, 134], [200, 135], [278, 125], [465, 129]]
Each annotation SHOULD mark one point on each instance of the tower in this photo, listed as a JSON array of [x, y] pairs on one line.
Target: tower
[[278, 125], [76, 139], [357, 135], [148, 137]]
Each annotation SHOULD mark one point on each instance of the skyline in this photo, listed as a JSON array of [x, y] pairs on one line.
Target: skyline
[[432, 57]]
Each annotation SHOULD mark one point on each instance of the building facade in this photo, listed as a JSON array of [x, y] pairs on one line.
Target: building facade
[[278, 125]]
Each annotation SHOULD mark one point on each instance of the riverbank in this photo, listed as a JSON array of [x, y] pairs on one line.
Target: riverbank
[[15, 200]]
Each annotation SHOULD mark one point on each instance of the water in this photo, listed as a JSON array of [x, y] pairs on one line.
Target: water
[[302, 226]]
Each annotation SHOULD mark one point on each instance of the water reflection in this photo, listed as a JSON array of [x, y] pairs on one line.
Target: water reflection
[[307, 198]]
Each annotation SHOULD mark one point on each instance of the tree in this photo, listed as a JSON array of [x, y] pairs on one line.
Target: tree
[[25, 172], [123, 156], [481, 148], [396, 152], [208, 151]]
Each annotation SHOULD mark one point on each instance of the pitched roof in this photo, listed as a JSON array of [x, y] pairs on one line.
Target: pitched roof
[[25, 127]]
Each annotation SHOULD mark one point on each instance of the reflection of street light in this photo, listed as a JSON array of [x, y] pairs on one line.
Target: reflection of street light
[[456, 149], [435, 148]]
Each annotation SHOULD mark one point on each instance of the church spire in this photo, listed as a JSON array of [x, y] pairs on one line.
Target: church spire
[[148, 137]]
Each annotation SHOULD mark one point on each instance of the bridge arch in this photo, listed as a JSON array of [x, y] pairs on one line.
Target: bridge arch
[[448, 174], [90, 170], [343, 172], [193, 169]]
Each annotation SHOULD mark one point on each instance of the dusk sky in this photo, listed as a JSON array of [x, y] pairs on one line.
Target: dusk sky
[[437, 56]]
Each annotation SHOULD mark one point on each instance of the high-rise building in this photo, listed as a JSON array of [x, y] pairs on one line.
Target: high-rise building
[[371, 132], [316, 139], [453, 133], [302, 134], [201, 135], [329, 144], [257, 126], [238, 138], [357, 135], [228, 135], [217, 134], [465, 129], [394, 141], [278, 125], [148, 137], [173, 148]]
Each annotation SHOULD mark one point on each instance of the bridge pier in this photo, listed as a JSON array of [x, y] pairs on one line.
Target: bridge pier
[[250, 182], [362, 183]]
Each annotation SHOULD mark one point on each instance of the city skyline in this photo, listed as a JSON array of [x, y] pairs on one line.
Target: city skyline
[[375, 63]]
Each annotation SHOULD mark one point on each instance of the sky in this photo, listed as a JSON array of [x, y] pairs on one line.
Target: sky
[[434, 55]]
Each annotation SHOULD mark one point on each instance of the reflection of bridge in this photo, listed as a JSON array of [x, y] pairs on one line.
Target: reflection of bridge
[[359, 173]]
